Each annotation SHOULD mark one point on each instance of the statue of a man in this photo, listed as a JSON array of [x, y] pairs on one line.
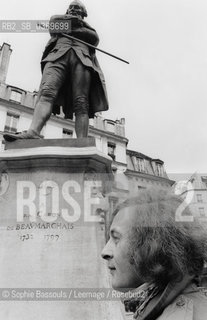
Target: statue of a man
[[71, 77]]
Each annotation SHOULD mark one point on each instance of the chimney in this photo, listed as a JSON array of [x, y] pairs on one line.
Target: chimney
[[5, 52], [123, 121]]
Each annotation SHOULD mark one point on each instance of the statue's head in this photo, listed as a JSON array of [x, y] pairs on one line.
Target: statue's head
[[77, 8]]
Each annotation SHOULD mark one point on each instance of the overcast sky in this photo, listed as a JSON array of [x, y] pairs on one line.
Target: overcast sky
[[162, 93]]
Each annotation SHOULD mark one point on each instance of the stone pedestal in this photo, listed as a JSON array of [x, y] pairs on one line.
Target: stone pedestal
[[51, 233]]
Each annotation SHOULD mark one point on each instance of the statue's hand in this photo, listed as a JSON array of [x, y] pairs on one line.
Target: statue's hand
[[76, 22], [87, 35]]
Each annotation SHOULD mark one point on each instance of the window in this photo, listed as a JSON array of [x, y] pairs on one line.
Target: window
[[67, 133], [2, 145], [112, 150], [141, 187], [159, 169], [110, 126], [139, 164], [11, 122], [16, 96], [201, 212], [199, 198], [204, 180]]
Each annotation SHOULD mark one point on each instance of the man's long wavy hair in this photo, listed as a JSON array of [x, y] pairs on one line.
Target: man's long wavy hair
[[161, 248]]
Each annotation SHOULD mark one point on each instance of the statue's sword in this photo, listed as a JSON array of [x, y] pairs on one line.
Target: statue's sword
[[91, 46]]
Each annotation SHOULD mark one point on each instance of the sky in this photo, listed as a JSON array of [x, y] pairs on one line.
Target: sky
[[162, 93]]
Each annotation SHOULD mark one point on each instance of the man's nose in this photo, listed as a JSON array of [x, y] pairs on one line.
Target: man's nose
[[107, 253]]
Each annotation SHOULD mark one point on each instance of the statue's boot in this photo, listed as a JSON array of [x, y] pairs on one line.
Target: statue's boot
[[29, 134]]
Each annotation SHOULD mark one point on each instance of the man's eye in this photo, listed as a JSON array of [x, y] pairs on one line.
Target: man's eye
[[116, 239]]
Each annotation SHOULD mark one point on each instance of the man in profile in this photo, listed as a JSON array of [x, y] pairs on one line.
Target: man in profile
[[157, 259], [71, 78]]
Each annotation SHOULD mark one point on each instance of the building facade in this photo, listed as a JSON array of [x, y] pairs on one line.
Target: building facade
[[195, 191]]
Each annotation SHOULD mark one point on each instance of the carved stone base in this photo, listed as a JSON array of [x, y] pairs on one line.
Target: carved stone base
[[51, 236]]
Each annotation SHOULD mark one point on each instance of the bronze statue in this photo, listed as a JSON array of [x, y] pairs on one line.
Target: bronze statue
[[71, 77]]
